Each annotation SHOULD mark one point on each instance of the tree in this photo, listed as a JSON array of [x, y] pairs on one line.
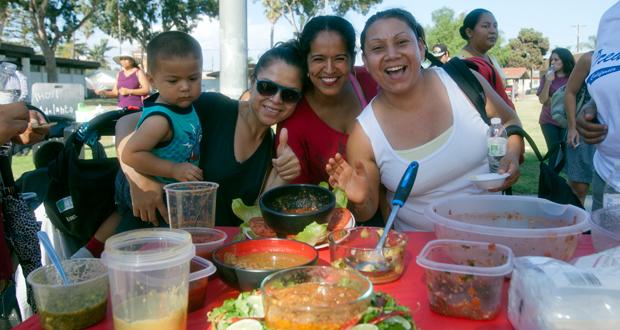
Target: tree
[[54, 21], [298, 12], [528, 49], [14, 26], [97, 53], [135, 20], [273, 12], [445, 30]]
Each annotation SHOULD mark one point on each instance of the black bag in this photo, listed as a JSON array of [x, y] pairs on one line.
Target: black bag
[[551, 185], [81, 191]]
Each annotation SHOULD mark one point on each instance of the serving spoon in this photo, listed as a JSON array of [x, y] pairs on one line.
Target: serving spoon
[[376, 262]]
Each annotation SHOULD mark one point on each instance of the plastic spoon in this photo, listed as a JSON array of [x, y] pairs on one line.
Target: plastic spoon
[[377, 262], [45, 240]]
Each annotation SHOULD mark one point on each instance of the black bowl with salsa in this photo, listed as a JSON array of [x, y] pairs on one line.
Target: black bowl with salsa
[[290, 208]]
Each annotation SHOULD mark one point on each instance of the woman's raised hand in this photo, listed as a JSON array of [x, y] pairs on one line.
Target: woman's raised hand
[[286, 162], [354, 181]]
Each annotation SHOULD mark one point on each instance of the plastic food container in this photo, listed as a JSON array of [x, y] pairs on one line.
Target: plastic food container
[[530, 226], [149, 273], [315, 297], [350, 247], [605, 226], [464, 279], [78, 305], [200, 270], [206, 240]]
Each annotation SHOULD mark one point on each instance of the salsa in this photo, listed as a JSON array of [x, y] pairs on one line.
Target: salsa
[[327, 307], [300, 210], [265, 260], [78, 319]]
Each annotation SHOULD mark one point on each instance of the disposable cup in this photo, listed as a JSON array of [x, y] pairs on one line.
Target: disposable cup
[[149, 278], [191, 204]]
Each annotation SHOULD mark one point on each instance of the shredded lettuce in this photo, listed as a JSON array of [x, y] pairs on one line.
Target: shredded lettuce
[[245, 212], [312, 234], [246, 305]]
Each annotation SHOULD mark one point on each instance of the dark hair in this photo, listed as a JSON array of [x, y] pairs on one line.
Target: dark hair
[[407, 18], [288, 52], [328, 23], [568, 61], [471, 20], [171, 44]]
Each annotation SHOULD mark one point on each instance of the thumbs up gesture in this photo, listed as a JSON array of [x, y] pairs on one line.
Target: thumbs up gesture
[[286, 162]]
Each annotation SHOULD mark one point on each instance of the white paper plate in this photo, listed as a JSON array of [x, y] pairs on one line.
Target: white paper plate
[[247, 231], [489, 180]]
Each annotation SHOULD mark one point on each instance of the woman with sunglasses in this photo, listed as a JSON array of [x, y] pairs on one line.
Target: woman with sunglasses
[[444, 132], [335, 95], [237, 146]]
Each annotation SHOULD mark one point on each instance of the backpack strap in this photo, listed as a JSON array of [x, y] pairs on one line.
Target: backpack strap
[[459, 71]]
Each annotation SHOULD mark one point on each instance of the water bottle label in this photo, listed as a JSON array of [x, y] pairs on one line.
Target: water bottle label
[[7, 97], [497, 147]]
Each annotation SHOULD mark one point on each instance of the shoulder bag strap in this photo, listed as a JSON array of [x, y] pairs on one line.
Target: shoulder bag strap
[[458, 70]]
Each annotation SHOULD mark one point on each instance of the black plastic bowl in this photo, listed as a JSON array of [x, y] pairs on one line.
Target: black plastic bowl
[[245, 279], [280, 205]]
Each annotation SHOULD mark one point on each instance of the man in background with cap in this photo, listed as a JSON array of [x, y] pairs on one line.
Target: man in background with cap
[[441, 52], [131, 83]]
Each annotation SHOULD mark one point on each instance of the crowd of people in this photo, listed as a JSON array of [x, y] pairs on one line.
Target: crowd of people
[[357, 127]]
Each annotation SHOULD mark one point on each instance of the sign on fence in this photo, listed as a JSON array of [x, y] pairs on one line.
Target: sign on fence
[[57, 99]]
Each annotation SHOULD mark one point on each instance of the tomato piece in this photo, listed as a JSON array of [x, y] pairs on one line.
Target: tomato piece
[[339, 219], [261, 228]]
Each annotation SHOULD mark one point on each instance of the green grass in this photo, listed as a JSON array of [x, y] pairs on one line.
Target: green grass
[[528, 109]]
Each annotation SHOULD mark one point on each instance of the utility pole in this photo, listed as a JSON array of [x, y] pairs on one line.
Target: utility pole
[[578, 26]]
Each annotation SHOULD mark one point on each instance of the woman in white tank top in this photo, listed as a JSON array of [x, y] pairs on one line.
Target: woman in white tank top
[[419, 114]]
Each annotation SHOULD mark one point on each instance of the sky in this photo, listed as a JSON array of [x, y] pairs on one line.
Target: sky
[[556, 19]]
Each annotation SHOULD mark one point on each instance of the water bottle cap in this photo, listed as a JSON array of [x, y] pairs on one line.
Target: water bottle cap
[[496, 121], [9, 66]]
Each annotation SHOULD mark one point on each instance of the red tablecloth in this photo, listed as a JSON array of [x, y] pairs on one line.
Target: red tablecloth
[[409, 290]]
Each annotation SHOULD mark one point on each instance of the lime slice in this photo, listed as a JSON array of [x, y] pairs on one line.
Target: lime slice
[[400, 320], [365, 326], [246, 324]]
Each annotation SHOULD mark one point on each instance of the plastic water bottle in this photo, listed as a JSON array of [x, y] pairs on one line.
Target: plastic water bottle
[[497, 140], [611, 194], [9, 83]]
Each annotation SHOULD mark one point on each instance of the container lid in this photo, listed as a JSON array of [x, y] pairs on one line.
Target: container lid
[[148, 249], [207, 268], [424, 258]]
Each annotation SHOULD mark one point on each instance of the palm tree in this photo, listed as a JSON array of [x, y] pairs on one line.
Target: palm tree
[[97, 53]]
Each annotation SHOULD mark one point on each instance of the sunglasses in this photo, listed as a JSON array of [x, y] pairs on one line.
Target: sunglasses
[[269, 88]]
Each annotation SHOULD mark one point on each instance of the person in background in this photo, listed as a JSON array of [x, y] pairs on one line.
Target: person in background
[[17, 124], [479, 29], [444, 133], [20, 82], [237, 149], [579, 154], [131, 83], [561, 64], [599, 124], [440, 51]]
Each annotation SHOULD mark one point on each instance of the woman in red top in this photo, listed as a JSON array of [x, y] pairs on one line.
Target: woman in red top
[[335, 95], [131, 83], [480, 31]]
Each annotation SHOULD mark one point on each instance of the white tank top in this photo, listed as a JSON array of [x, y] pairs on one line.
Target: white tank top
[[603, 85], [444, 172]]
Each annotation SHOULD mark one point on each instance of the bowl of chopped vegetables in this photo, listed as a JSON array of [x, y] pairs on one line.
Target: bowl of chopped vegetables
[[465, 278], [315, 297]]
